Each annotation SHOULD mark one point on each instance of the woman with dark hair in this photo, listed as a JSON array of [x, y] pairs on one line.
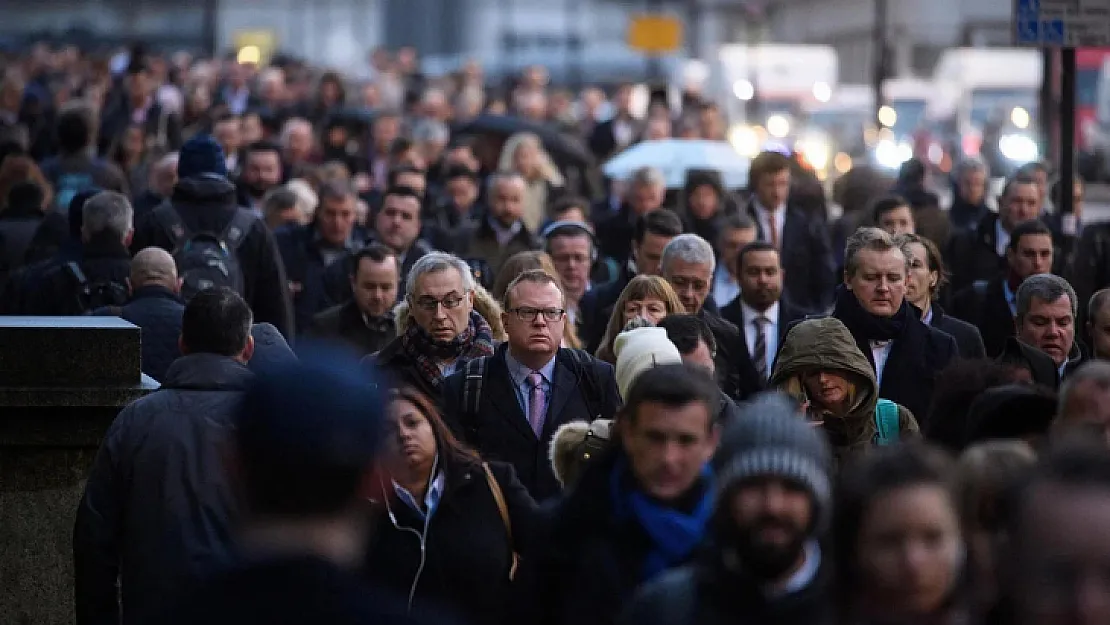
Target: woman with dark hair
[[448, 526], [893, 214], [924, 281], [898, 540]]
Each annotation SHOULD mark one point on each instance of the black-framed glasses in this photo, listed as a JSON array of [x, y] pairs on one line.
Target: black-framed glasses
[[528, 314], [430, 304]]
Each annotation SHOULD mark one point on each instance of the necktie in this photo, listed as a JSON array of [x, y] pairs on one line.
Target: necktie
[[772, 232], [759, 351], [536, 403]]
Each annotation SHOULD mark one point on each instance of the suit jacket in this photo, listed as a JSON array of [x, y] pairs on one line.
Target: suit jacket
[[603, 143], [969, 341], [750, 382], [344, 324], [987, 309], [733, 380], [807, 259], [500, 431], [972, 255]]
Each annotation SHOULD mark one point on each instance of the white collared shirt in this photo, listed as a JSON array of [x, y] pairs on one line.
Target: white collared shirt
[[770, 329], [725, 287], [880, 351], [768, 220], [1002, 238]]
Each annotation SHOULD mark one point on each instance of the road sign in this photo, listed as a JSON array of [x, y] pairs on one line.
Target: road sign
[[1062, 23], [655, 34]]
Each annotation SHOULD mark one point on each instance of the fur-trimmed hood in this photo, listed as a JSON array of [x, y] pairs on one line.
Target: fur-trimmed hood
[[574, 445], [484, 305]]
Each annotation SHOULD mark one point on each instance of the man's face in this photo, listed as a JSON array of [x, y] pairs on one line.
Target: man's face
[[761, 279], [690, 281], [463, 192], [667, 446], [262, 172], [703, 202], [973, 186], [336, 219], [1050, 327], [771, 519], [731, 242], [398, 222], [649, 254], [644, 198], [1086, 409], [441, 304], [773, 189], [1061, 556], [571, 255], [701, 357], [507, 201], [416, 181], [375, 286], [1022, 203], [299, 145], [535, 333], [386, 131], [1099, 328], [227, 134], [462, 155], [879, 282], [1033, 255]]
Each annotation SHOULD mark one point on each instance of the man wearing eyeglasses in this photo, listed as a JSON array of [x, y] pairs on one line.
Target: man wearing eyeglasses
[[509, 405]]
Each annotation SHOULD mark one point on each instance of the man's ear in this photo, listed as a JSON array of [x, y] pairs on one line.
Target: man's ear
[[127, 237], [248, 351]]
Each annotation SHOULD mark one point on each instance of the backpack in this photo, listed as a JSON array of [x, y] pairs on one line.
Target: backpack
[[204, 259], [68, 186], [887, 423], [93, 295]]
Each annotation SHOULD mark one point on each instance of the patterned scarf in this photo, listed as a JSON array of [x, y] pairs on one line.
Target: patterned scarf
[[473, 342]]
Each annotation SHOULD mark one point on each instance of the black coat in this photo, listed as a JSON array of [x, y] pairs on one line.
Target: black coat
[[345, 324], [603, 142], [208, 205], [969, 342], [988, 310], [596, 307], [750, 382], [972, 255], [157, 507], [395, 368], [730, 353], [301, 253], [157, 311], [500, 431], [47, 288], [614, 234], [477, 244], [807, 259], [465, 551]]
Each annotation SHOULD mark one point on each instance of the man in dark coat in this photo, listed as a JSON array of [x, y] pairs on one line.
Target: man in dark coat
[[485, 244], [204, 201], [155, 307], [646, 191], [969, 192], [156, 512], [75, 169], [698, 347], [364, 323]]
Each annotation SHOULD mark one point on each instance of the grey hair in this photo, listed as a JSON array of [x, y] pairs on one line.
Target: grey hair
[[689, 248], [872, 239], [107, 211], [435, 262], [291, 125], [969, 165], [1045, 287], [430, 131], [502, 176], [1096, 371], [646, 176]]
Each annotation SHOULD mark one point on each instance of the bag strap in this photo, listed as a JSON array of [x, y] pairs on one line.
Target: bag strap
[[503, 510], [237, 229], [475, 373], [171, 222], [887, 422]]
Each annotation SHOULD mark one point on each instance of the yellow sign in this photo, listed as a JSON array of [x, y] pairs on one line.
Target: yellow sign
[[655, 34], [255, 47]]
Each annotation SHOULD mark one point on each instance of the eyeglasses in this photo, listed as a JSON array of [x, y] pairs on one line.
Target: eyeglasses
[[530, 314], [430, 304]]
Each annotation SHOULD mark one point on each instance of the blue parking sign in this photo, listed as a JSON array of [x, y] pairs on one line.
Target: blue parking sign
[[1028, 30]]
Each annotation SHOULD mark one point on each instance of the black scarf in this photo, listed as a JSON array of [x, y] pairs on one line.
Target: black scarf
[[863, 324]]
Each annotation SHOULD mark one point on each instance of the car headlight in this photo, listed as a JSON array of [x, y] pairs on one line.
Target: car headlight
[[745, 140], [816, 151], [891, 155], [1019, 148]]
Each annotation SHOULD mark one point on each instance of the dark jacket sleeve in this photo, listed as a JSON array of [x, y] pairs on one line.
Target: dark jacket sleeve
[[668, 600], [1084, 271], [605, 374], [452, 404], [946, 350], [268, 292], [822, 271], [523, 511], [97, 534]]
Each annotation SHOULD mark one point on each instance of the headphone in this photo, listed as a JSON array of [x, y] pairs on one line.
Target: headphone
[[557, 228]]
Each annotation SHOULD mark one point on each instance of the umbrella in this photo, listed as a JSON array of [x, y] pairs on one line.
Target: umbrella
[[563, 149], [675, 157]]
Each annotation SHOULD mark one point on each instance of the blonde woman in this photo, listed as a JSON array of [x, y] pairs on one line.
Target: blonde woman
[[524, 154], [647, 297]]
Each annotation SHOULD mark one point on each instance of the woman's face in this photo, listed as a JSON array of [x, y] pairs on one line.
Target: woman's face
[[412, 442], [651, 308], [526, 160], [830, 389], [910, 550], [919, 280]]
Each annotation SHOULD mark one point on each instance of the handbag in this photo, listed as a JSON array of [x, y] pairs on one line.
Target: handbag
[[503, 509]]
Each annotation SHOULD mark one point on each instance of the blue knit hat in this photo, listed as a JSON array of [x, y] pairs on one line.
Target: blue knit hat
[[201, 156]]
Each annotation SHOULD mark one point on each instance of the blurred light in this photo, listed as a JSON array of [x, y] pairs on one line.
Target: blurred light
[[888, 116], [249, 55], [891, 155], [743, 89], [971, 144], [1020, 117], [870, 135], [842, 163], [745, 140], [816, 152], [778, 126], [935, 153], [1018, 148], [822, 91]]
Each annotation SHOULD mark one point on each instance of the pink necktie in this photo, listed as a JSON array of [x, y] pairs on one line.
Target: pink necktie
[[536, 404]]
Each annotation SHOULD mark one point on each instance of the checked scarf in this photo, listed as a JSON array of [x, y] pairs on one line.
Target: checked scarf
[[473, 342]]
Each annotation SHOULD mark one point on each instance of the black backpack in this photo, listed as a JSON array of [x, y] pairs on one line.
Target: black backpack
[[90, 295], [204, 259]]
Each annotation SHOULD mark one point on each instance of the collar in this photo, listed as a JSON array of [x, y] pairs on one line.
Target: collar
[[1001, 237], [763, 212], [519, 373], [927, 318], [431, 496], [383, 323], [503, 234], [772, 313], [805, 575], [318, 241], [152, 291]]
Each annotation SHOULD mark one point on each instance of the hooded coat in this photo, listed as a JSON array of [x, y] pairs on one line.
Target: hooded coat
[[826, 344]]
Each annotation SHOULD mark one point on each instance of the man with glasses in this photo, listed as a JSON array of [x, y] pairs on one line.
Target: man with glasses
[[442, 332], [508, 406]]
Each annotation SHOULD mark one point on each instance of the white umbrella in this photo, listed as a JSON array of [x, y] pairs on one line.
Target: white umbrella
[[674, 157]]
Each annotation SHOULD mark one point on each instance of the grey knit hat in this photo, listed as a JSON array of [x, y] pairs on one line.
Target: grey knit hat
[[770, 437]]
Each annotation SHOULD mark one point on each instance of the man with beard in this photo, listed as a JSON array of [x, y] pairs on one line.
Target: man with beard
[[262, 171], [765, 564]]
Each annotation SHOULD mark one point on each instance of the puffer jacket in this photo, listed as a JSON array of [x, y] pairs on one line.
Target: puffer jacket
[[826, 344]]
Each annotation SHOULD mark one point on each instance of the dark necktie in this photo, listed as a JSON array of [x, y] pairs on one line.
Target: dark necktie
[[759, 352]]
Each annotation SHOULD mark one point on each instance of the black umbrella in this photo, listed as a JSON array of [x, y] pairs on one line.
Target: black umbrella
[[562, 148]]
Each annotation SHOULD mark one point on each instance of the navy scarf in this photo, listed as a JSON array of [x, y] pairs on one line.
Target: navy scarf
[[674, 534]]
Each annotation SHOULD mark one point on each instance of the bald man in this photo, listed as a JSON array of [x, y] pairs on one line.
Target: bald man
[[155, 307]]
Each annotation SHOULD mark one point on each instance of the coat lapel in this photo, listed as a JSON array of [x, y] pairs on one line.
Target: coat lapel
[[563, 387], [504, 399]]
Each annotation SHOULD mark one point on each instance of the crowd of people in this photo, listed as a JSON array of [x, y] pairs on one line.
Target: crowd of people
[[413, 374]]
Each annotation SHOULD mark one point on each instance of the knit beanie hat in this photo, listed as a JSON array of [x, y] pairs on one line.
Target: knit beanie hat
[[201, 156], [771, 438], [641, 349]]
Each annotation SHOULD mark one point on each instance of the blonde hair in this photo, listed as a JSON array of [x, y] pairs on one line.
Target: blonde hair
[[639, 288], [548, 169]]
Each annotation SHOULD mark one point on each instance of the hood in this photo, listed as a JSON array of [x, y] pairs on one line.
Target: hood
[[698, 177], [484, 305], [206, 189], [574, 444], [824, 343], [207, 372]]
